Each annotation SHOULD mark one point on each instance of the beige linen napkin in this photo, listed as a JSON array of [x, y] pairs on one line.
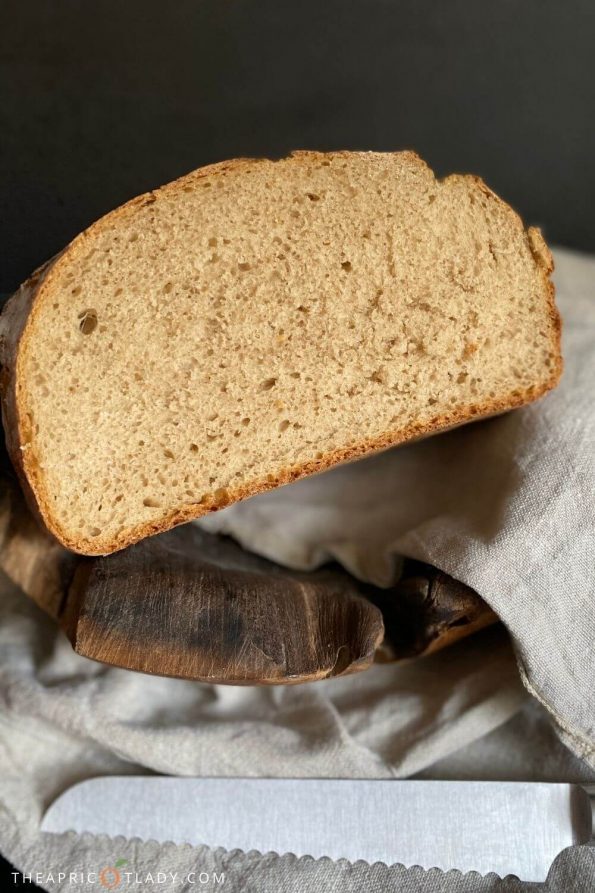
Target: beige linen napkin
[[505, 505]]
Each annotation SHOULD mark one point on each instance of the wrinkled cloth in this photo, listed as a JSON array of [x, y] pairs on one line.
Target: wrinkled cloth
[[505, 505]]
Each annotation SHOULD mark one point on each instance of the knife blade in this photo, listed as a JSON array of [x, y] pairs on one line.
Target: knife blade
[[508, 828]]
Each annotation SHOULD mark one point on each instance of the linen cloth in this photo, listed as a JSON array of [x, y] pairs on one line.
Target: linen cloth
[[505, 505]]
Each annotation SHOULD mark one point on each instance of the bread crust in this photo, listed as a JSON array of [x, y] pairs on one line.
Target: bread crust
[[18, 317]]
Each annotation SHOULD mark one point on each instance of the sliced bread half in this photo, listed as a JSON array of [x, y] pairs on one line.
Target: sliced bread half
[[257, 321]]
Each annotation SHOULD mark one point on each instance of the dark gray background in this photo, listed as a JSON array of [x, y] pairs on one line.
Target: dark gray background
[[104, 99]]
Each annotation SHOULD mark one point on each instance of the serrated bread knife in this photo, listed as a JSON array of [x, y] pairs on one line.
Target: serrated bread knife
[[513, 828]]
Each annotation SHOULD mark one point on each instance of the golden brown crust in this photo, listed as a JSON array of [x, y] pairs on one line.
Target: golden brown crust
[[19, 316]]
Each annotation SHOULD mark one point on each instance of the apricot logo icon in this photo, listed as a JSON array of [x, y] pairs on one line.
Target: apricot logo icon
[[110, 876]]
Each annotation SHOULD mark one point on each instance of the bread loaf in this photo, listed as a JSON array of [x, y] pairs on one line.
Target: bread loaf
[[257, 321]]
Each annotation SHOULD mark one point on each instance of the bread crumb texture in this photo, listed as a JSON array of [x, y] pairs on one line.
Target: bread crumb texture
[[260, 320]]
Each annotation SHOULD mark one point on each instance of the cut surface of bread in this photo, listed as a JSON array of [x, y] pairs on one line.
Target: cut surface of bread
[[256, 321]]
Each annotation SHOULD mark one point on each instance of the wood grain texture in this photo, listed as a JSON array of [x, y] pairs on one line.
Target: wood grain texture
[[188, 603], [197, 606], [426, 611]]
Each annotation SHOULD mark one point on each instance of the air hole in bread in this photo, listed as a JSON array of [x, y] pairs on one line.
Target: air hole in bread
[[87, 321]]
